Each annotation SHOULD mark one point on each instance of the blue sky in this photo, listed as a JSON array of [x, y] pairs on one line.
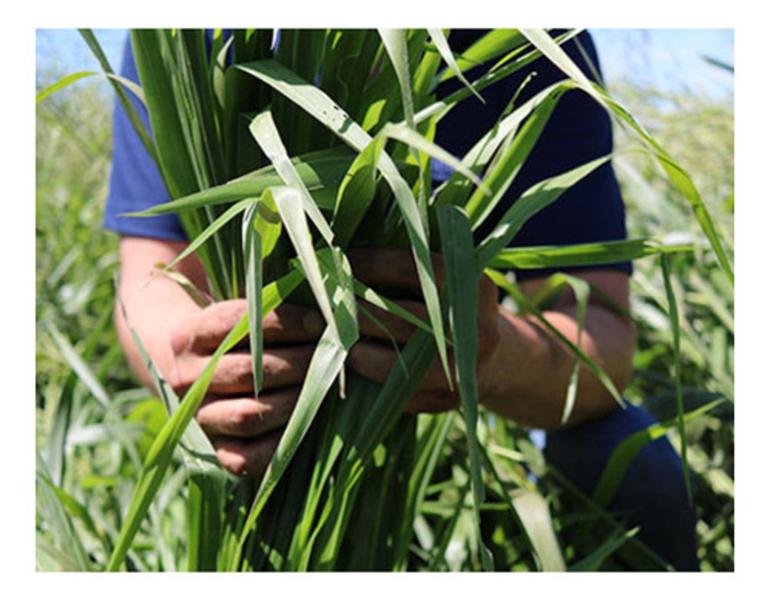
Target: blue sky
[[668, 59]]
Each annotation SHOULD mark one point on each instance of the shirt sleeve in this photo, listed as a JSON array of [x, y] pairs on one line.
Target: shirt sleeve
[[578, 131], [135, 181]]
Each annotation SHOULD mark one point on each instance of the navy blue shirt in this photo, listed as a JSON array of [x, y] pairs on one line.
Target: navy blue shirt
[[578, 131]]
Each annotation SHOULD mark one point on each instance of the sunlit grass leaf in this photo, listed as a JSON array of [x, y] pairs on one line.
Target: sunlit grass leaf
[[536, 518], [440, 41], [581, 290], [83, 371], [324, 109], [677, 175], [576, 255], [395, 43], [264, 131], [253, 277], [410, 137], [534, 199], [430, 444], [62, 529], [511, 159], [117, 83]]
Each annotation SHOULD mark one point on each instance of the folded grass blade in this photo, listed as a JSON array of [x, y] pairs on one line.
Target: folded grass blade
[[318, 104]]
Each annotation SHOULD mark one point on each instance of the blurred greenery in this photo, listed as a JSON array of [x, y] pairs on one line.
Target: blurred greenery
[[96, 424]]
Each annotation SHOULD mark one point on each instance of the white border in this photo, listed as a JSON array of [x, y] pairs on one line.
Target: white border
[[752, 223]]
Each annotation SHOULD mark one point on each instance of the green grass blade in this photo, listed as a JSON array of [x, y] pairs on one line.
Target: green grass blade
[[581, 290], [253, 277], [317, 103], [395, 42], [356, 192], [627, 450], [78, 365], [535, 199], [674, 319], [576, 255], [440, 41], [318, 170], [128, 106], [325, 365], [593, 561], [413, 139], [264, 131], [61, 527], [62, 83], [492, 44], [534, 514], [289, 203], [677, 175], [511, 159], [430, 445], [211, 230], [463, 292]]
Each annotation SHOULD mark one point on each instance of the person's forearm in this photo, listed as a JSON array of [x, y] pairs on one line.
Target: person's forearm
[[527, 378]]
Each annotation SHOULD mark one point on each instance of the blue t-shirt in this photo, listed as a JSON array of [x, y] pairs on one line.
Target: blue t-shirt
[[578, 131]]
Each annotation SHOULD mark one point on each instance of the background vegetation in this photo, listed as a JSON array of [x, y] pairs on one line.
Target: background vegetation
[[82, 379]]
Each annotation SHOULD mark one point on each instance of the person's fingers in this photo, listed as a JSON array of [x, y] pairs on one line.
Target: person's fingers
[[247, 417], [374, 361], [432, 401], [247, 457], [204, 331], [291, 323], [282, 367], [400, 329], [391, 268]]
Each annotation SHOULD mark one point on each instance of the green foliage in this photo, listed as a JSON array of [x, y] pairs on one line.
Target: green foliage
[[448, 492]]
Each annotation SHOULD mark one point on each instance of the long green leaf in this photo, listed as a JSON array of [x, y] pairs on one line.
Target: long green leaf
[[535, 199], [674, 319], [677, 175], [463, 291], [576, 255]]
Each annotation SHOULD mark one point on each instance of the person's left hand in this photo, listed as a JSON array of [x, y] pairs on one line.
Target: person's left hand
[[392, 272]]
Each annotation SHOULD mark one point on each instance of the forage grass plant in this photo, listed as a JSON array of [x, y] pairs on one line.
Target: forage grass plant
[[277, 164]]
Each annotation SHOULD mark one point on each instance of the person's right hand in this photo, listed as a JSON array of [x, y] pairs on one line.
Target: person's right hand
[[245, 429]]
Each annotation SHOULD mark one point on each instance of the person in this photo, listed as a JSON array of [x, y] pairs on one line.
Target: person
[[523, 368]]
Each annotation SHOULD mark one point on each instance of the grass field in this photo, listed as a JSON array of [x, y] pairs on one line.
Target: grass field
[[94, 424]]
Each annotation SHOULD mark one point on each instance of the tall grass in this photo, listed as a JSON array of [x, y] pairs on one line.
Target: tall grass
[[334, 461]]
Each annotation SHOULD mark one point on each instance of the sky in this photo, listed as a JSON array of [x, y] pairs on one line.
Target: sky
[[670, 60]]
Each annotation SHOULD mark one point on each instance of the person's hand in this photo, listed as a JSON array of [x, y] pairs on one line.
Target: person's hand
[[245, 429], [393, 272]]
